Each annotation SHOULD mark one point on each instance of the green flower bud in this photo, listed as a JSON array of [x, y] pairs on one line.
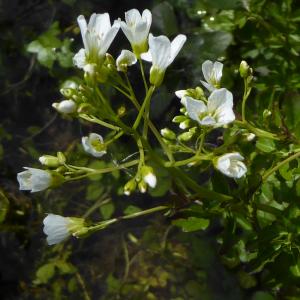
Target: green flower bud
[[61, 158], [179, 119], [168, 134], [244, 69], [142, 186], [129, 187], [266, 113], [186, 136], [49, 161], [77, 227]]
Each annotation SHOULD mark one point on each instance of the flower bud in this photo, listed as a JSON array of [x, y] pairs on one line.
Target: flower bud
[[65, 106], [179, 119], [185, 124], [244, 69], [185, 137], [61, 158], [168, 134], [149, 176], [49, 161], [250, 136], [142, 186], [129, 187], [266, 113]]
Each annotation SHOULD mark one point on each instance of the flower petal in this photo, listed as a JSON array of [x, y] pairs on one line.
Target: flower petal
[[160, 48], [194, 107], [176, 46], [207, 68]]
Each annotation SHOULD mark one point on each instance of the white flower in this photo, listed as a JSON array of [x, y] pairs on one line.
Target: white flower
[[93, 144], [151, 180], [97, 36], [34, 180], [125, 59], [217, 112], [136, 29], [56, 228], [162, 53], [65, 106], [231, 165], [212, 73]]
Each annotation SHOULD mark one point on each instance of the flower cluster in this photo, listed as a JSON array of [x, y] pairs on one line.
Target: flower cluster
[[86, 100]]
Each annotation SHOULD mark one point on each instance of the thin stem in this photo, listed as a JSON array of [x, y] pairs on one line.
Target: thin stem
[[203, 135], [97, 121], [184, 162], [151, 125], [118, 135], [143, 75], [247, 91], [105, 170], [279, 165], [142, 109]]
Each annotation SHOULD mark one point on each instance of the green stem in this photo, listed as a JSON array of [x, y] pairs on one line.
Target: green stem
[[118, 135], [105, 170], [151, 125], [97, 121], [279, 165], [142, 109], [184, 162], [201, 141], [104, 224], [247, 91], [143, 75]]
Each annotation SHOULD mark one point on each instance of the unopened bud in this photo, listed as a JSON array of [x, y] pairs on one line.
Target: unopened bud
[[49, 161], [65, 106], [185, 124], [149, 176], [266, 113], [244, 69], [129, 187], [142, 186], [168, 134], [186, 136], [61, 158], [179, 119]]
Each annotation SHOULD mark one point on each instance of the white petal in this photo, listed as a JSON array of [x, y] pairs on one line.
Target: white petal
[[147, 16], [79, 59], [221, 98], [147, 56], [207, 68], [176, 46], [207, 121], [151, 180], [83, 27], [127, 31], [108, 38], [208, 86], [102, 24], [194, 108], [132, 17], [65, 106], [160, 48], [87, 143], [217, 69], [225, 116], [180, 94], [126, 58]]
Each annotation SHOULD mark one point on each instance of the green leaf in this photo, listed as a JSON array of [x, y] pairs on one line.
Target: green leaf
[[45, 273], [107, 210], [94, 191], [65, 267], [262, 296], [191, 224], [131, 209], [265, 145]]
